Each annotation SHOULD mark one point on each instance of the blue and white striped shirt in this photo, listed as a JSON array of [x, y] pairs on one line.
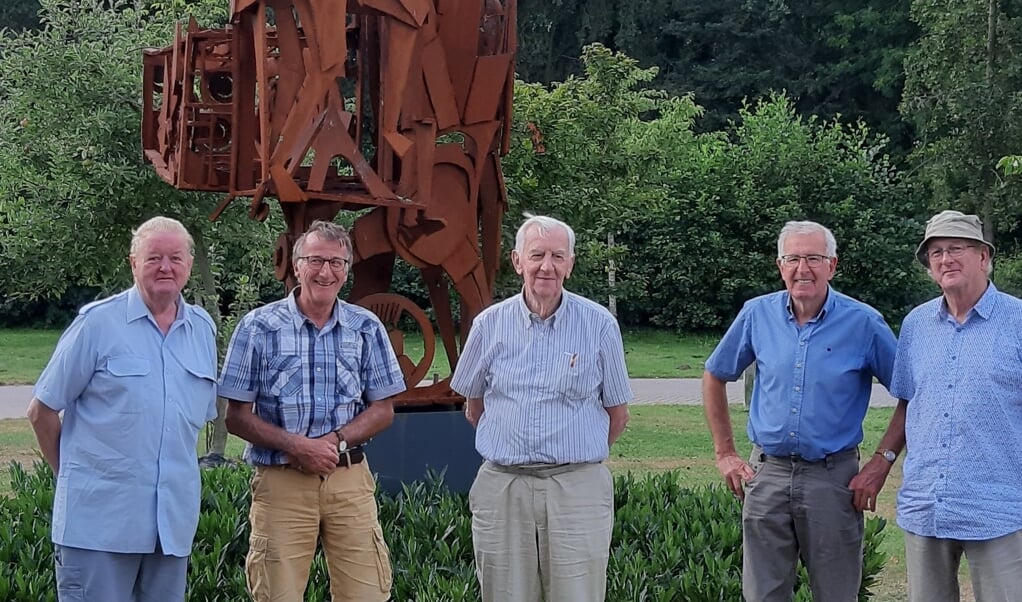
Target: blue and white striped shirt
[[963, 382], [544, 383], [307, 380]]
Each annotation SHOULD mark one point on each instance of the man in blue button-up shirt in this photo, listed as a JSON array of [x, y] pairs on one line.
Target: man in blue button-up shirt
[[959, 366], [134, 375], [816, 353]]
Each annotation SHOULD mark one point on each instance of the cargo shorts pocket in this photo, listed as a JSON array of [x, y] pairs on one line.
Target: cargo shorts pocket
[[69, 584], [256, 569], [383, 560]]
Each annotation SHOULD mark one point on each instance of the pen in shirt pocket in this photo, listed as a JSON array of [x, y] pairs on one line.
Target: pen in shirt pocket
[[572, 358]]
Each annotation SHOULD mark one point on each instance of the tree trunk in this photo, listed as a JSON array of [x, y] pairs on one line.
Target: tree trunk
[[206, 296]]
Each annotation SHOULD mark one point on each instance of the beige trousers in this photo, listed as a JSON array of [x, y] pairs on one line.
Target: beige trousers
[[291, 510], [542, 537]]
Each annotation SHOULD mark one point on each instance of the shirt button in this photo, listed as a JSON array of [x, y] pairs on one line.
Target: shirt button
[[942, 475], [791, 434], [319, 399], [798, 389], [802, 343], [954, 357], [950, 386], [794, 411], [940, 499], [943, 444], [946, 414], [319, 369]]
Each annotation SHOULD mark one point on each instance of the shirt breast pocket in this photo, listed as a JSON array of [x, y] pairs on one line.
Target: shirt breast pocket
[[129, 376], [284, 376], [197, 394], [349, 389], [579, 376]]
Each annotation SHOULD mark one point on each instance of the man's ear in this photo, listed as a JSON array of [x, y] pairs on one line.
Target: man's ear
[[516, 261]]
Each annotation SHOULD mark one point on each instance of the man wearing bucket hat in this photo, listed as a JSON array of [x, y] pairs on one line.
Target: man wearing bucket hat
[[958, 374], [816, 353]]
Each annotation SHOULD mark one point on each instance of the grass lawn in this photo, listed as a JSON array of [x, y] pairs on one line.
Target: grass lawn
[[648, 353]]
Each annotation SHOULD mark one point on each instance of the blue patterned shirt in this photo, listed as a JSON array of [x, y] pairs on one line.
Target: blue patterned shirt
[[963, 382], [813, 382], [134, 401], [544, 383], [307, 380]]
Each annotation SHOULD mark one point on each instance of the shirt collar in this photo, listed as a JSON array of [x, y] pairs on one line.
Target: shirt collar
[[529, 317], [137, 308], [828, 305], [298, 318], [983, 308]]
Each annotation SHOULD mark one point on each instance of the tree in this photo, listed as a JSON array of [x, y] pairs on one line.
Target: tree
[[961, 91], [72, 179]]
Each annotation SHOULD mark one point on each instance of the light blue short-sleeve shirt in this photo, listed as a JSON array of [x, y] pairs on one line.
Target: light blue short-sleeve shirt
[[544, 383], [963, 382], [134, 401]]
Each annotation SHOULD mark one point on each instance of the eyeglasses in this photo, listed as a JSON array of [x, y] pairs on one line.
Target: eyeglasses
[[316, 262], [953, 251], [814, 261]]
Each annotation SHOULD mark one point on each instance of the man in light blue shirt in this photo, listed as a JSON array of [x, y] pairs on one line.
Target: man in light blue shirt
[[959, 366], [816, 353], [547, 389], [134, 375]]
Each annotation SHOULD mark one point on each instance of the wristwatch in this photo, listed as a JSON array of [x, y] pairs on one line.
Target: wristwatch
[[888, 454], [342, 444]]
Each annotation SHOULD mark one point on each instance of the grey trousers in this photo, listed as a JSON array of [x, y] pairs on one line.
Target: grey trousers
[[995, 566], [94, 576], [542, 537], [797, 509]]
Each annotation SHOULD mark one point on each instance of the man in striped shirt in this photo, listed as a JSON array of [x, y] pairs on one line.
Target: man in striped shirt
[[547, 389]]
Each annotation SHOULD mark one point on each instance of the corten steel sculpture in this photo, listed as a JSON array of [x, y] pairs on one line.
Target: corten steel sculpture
[[401, 106]]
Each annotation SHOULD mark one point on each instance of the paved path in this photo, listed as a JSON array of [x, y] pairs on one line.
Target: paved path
[[648, 391]]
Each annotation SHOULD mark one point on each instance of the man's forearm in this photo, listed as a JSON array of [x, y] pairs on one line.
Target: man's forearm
[[718, 417], [618, 422], [377, 417], [241, 421], [46, 424]]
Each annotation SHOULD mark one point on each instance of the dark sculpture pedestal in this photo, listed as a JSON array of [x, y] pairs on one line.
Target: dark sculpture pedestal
[[422, 439]]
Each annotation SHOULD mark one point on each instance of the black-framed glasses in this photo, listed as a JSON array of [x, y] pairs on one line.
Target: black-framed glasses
[[316, 262], [954, 251], [814, 261]]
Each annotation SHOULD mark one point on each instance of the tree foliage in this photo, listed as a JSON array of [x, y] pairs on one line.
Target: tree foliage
[[962, 91], [696, 215]]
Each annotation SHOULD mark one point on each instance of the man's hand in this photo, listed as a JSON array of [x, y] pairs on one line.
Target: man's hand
[[736, 473], [318, 456], [867, 484], [473, 410]]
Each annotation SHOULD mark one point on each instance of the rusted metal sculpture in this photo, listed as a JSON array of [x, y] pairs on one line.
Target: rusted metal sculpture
[[401, 106]]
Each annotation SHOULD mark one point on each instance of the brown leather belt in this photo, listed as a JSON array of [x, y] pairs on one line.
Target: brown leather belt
[[351, 457]]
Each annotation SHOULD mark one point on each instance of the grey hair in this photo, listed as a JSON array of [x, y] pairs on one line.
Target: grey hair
[[806, 228], [159, 225], [327, 231], [545, 225]]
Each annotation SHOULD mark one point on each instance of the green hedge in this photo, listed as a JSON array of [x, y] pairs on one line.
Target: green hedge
[[670, 543]]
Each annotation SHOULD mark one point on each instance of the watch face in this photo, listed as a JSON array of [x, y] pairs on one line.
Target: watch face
[[889, 455], [342, 446]]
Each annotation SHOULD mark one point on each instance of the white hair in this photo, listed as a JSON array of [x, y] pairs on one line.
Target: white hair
[[806, 228], [545, 225], [159, 225]]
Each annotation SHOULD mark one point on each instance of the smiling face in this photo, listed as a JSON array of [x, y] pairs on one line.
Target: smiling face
[[544, 262], [320, 287], [807, 285], [161, 266], [959, 274]]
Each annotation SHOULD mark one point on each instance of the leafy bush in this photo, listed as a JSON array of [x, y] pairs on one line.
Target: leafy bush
[[670, 543]]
